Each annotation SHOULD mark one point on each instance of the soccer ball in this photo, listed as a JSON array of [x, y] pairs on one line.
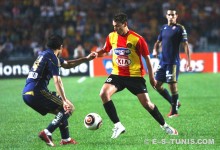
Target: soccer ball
[[93, 121]]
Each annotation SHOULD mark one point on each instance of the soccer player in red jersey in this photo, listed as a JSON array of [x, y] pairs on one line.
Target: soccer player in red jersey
[[171, 36], [127, 49]]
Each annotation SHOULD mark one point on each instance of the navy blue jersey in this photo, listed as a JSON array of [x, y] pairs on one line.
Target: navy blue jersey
[[44, 68], [171, 37]]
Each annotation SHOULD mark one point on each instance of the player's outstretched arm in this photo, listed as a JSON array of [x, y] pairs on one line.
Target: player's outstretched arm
[[73, 63], [100, 53]]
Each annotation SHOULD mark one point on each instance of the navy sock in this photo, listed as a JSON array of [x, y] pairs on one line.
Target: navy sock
[[64, 129], [111, 111], [60, 117], [174, 103], [166, 95]]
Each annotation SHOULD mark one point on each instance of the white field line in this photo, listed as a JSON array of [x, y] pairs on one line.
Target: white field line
[[82, 79]]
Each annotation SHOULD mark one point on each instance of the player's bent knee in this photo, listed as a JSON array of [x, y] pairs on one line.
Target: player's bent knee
[[104, 96]]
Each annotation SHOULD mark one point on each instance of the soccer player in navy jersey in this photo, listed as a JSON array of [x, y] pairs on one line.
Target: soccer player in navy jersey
[[38, 97], [171, 36]]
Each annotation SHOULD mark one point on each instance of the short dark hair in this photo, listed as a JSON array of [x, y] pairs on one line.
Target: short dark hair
[[54, 42], [172, 9], [120, 17]]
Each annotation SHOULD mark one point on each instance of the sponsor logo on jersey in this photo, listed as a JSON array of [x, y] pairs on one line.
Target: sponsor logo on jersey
[[122, 51], [123, 62]]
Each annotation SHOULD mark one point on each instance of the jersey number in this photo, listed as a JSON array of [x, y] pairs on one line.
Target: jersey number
[[36, 63]]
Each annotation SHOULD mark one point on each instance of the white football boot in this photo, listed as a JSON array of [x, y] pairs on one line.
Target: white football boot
[[117, 130], [169, 130]]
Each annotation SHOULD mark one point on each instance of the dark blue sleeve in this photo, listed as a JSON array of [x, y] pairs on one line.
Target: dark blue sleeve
[[54, 65], [61, 60], [183, 34]]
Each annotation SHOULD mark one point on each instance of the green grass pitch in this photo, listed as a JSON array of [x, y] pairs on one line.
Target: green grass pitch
[[198, 121]]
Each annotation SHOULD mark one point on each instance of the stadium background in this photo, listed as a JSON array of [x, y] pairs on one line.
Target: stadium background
[[26, 24]]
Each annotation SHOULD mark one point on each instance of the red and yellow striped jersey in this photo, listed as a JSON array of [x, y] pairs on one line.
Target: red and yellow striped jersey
[[126, 53]]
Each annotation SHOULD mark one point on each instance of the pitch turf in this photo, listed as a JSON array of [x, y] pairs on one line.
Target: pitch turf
[[198, 121]]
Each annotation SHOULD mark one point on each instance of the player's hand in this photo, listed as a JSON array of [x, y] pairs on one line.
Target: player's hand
[[68, 107], [92, 55], [188, 67], [153, 83]]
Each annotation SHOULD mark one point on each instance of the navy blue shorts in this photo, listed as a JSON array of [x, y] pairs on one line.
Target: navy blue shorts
[[43, 101], [167, 73], [135, 85]]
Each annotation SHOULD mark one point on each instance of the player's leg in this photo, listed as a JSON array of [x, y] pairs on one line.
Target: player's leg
[[175, 99], [54, 105], [37, 102], [108, 89], [155, 113], [138, 87], [105, 94], [64, 130], [171, 78], [150, 107], [163, 92], [160, 77], [61, 121]]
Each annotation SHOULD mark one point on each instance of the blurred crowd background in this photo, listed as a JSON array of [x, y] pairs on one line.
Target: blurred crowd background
[[84, 24]]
